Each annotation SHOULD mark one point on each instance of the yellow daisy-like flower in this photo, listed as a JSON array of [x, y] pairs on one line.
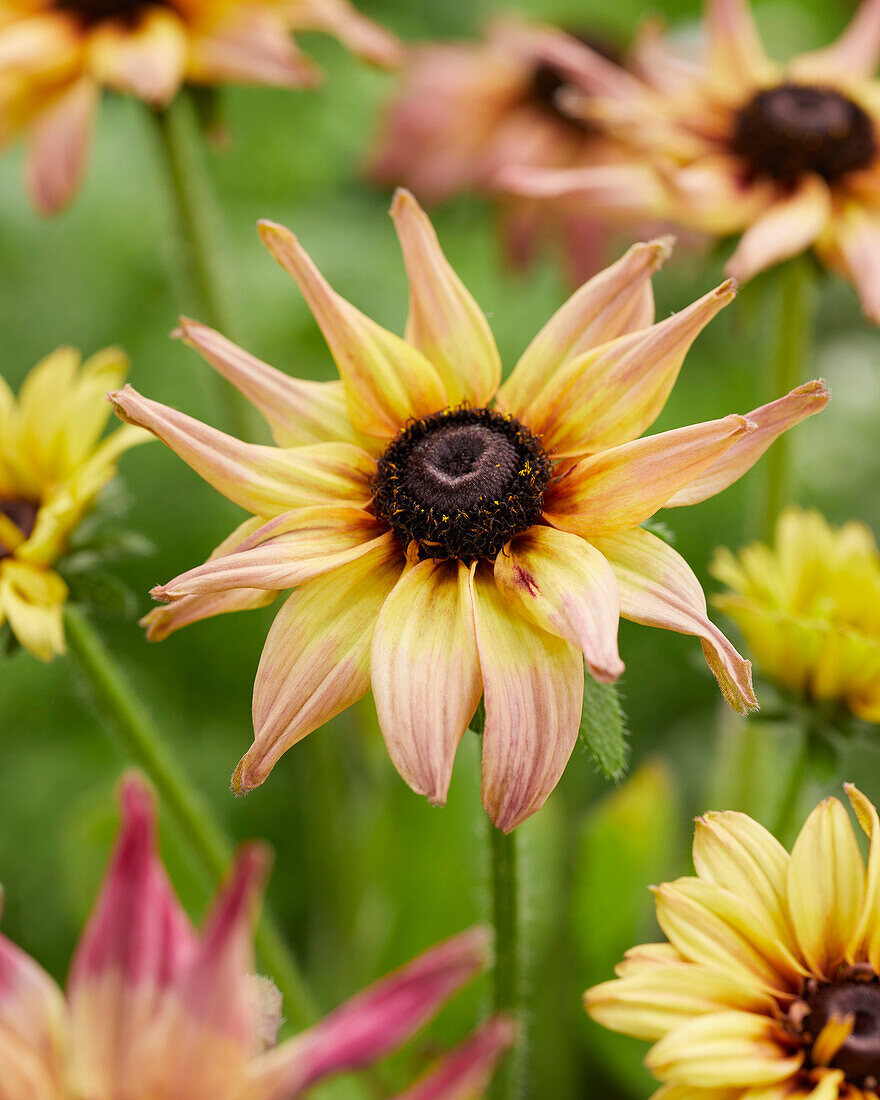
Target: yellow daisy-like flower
[[787, 155], [809, 609], [449, 537], [53, 464], [57, 55], [768, 987]]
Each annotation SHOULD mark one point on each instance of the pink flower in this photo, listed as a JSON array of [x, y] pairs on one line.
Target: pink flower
[[157, 1011]]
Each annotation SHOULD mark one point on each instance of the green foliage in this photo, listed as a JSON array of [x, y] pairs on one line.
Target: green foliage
[[603, 727]]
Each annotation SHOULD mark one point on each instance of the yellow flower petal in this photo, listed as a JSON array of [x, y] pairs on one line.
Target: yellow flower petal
[[316, 661], [445, 323], [865, 942], [623, 486], [147, 60], [616, 301], [425, 673], [32, 600], [566, 587], [611, 395], [825, 887], [724, 1049], [388, 381], [533, 693], [264, 480]]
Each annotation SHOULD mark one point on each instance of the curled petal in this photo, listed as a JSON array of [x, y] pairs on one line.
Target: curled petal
[[147, 60], [865, 942], [465, 1073], [566, 587], [854, 54], [792, 224], [623, 486], [264, 480], [425, 673], [533, 693], [826, 882], [376, 1021], [613, 394], [136, 946], [658, 588], [388, 381], [288, 550], [616, 301], [445, 323], [299, 412], [723, 1049], [59, 146], [771, 420], [316, 661]]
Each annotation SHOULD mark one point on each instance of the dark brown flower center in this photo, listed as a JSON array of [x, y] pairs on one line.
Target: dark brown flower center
[[23, 514], [461, 483], [797, 128], [90, 12], [859, 1056], [547, 81]]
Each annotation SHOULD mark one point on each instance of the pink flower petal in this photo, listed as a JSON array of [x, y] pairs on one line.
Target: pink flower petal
[[59, 145], [466, 1072]]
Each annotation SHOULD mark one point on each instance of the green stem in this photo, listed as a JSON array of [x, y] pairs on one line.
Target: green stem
[[793, 322], [507, 990], [144, 743], [196, 225], [786, 815]]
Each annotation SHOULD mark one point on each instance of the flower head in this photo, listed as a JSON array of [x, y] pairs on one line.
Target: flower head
[[809, 609], [449, 537], [785, 156], [770, 981], [157, 1011], [467, 111], [53, 464], [57, 55]]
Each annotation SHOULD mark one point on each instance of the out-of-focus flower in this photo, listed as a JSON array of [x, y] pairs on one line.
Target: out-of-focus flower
[[450, 537], [809, 609], [785, 155], [769, 983], [53, 464], [156, 1011], [57, 55], [466, 111]]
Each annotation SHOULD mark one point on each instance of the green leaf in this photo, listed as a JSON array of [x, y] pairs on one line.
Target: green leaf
[[603, 727], [478, 722]]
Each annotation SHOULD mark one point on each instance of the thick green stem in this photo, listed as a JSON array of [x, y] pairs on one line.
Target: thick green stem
[[792, 334], [786, 815], [197, 232], [145, 745], [507, 991]]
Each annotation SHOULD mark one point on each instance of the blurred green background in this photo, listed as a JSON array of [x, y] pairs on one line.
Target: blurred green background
[[366, 873]]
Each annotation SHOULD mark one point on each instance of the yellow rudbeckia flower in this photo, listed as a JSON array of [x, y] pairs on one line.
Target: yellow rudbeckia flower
[[784, 155], [449, 536], [53, 464], [809, 609], [769, 984], [57, 55]]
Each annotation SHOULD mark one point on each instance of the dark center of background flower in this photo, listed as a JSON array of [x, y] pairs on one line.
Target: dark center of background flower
[[859, 1056], [90, 12], [461, 483], [547, 81], [796, 128], [23, 514]]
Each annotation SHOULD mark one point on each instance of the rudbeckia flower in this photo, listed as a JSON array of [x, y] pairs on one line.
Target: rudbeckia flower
[[466, 111], [770, 983], [155, 1010], [449, 537], [785, 156], [53, 464], [809, 609], [57, 55]]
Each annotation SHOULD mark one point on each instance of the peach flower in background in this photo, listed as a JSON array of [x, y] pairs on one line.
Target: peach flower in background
[[156, 1011], [57, 55], [467, 110], [784, 156]]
